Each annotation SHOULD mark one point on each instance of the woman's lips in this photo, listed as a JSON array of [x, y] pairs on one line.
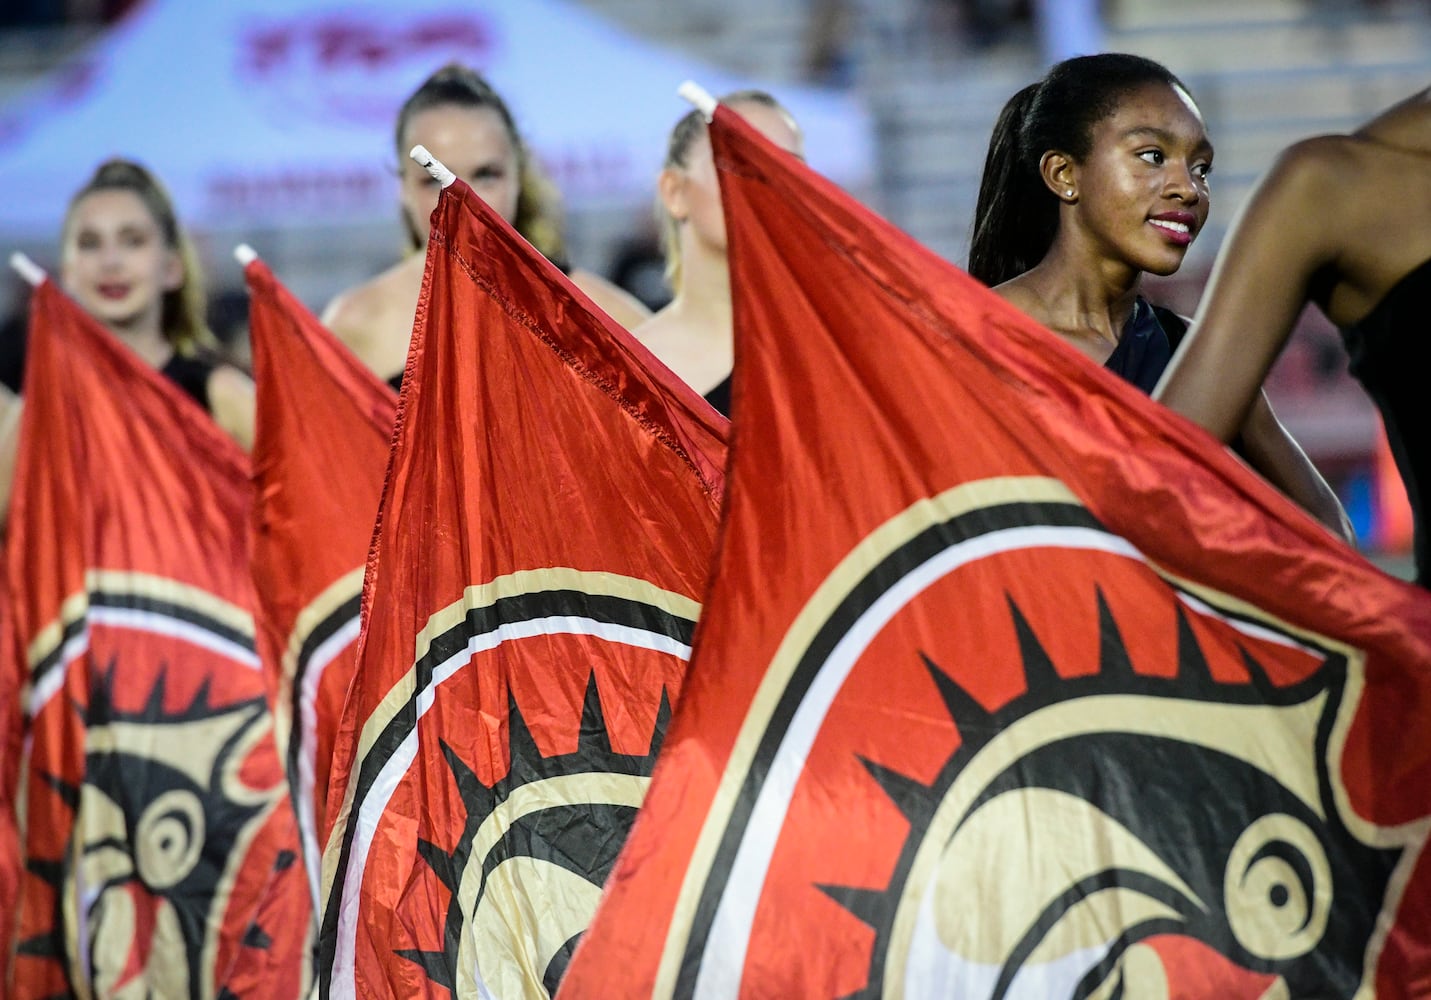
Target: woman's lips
[[112, 292], [1177, 232], [1176, 226]]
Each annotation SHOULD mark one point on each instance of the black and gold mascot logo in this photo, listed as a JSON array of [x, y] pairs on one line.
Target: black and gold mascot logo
[[1087, 830], [163, 821], [1135, 786], [517, 829]]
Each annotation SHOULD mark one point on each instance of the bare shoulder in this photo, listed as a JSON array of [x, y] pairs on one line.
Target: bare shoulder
[[1336, 165], [1301, 205], [1317, 165], [1020, 293], [375, 318], [658, 328], [1405, 125], [618, 303], [358, 314]]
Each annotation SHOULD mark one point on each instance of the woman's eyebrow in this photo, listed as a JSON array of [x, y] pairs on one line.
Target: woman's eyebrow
[[1163, 135], [1151, 131]]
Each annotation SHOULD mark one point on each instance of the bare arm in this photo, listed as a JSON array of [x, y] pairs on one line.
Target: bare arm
[[11, 408], [1257, 289], [231, 396], [1273, 452]]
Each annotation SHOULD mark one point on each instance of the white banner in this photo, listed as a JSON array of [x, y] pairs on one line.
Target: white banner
[[280, 112]]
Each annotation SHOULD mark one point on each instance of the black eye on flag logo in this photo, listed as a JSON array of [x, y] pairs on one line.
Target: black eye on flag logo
[[1067, 816], [1098, 835], [524, 865]]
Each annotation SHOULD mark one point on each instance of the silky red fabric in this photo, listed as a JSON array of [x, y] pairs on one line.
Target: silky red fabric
[[160, 848], [543, 542], [1010, 681], [322, 427], [12, 729]]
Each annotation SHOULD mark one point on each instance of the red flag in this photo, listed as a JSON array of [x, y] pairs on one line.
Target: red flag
[[1011, 683], [12, 729], [159, 842], [320, 451], [543, 541]]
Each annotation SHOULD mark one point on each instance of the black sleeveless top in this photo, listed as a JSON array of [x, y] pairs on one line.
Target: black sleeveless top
[[192, 375], [719, 397], [1389, 350], [396, 382], [1146, 345]]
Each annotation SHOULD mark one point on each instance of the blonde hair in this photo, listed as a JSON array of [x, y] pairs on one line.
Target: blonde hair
[[690, 127], [538, 204], [182, 312]]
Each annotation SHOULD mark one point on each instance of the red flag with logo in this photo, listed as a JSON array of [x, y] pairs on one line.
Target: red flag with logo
[[1010, 683], [320, 452], [160, 849], [543, 543]]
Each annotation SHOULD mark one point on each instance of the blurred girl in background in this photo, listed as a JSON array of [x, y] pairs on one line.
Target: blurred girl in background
[[467, 126], [694, 335]]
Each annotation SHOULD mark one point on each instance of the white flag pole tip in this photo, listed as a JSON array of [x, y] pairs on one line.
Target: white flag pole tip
[[433, 166], [245, 254], [699, 96], [27, 268]]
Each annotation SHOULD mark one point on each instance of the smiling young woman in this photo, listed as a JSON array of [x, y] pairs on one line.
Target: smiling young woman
[[118, 266], [1096, 175], [126, 260]]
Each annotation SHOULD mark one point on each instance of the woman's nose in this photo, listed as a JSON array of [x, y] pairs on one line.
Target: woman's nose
[[1183, 183]]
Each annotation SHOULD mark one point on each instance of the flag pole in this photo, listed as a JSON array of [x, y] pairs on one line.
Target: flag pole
[[28, 269], [245, 254], [433, 166], [699, 96]]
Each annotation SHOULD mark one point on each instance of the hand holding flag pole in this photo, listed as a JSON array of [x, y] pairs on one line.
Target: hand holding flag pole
[[33, 273]]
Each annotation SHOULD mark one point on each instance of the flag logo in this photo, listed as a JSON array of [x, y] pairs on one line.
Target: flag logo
[[545, 827], [1049, 854], [525, 819], [164, 821]]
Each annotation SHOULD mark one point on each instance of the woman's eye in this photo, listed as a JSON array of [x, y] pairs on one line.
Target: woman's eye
[[1153, 156], [487, 175], [1202, 170]]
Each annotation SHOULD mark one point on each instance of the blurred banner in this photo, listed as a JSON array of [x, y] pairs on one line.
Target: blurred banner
[[281, 112]]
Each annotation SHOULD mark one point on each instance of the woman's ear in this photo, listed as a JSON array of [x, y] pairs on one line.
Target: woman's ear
[[1060, 175], [671, 189]]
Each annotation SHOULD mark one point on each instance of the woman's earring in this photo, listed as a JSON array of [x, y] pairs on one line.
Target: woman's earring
[[1069, 192]]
